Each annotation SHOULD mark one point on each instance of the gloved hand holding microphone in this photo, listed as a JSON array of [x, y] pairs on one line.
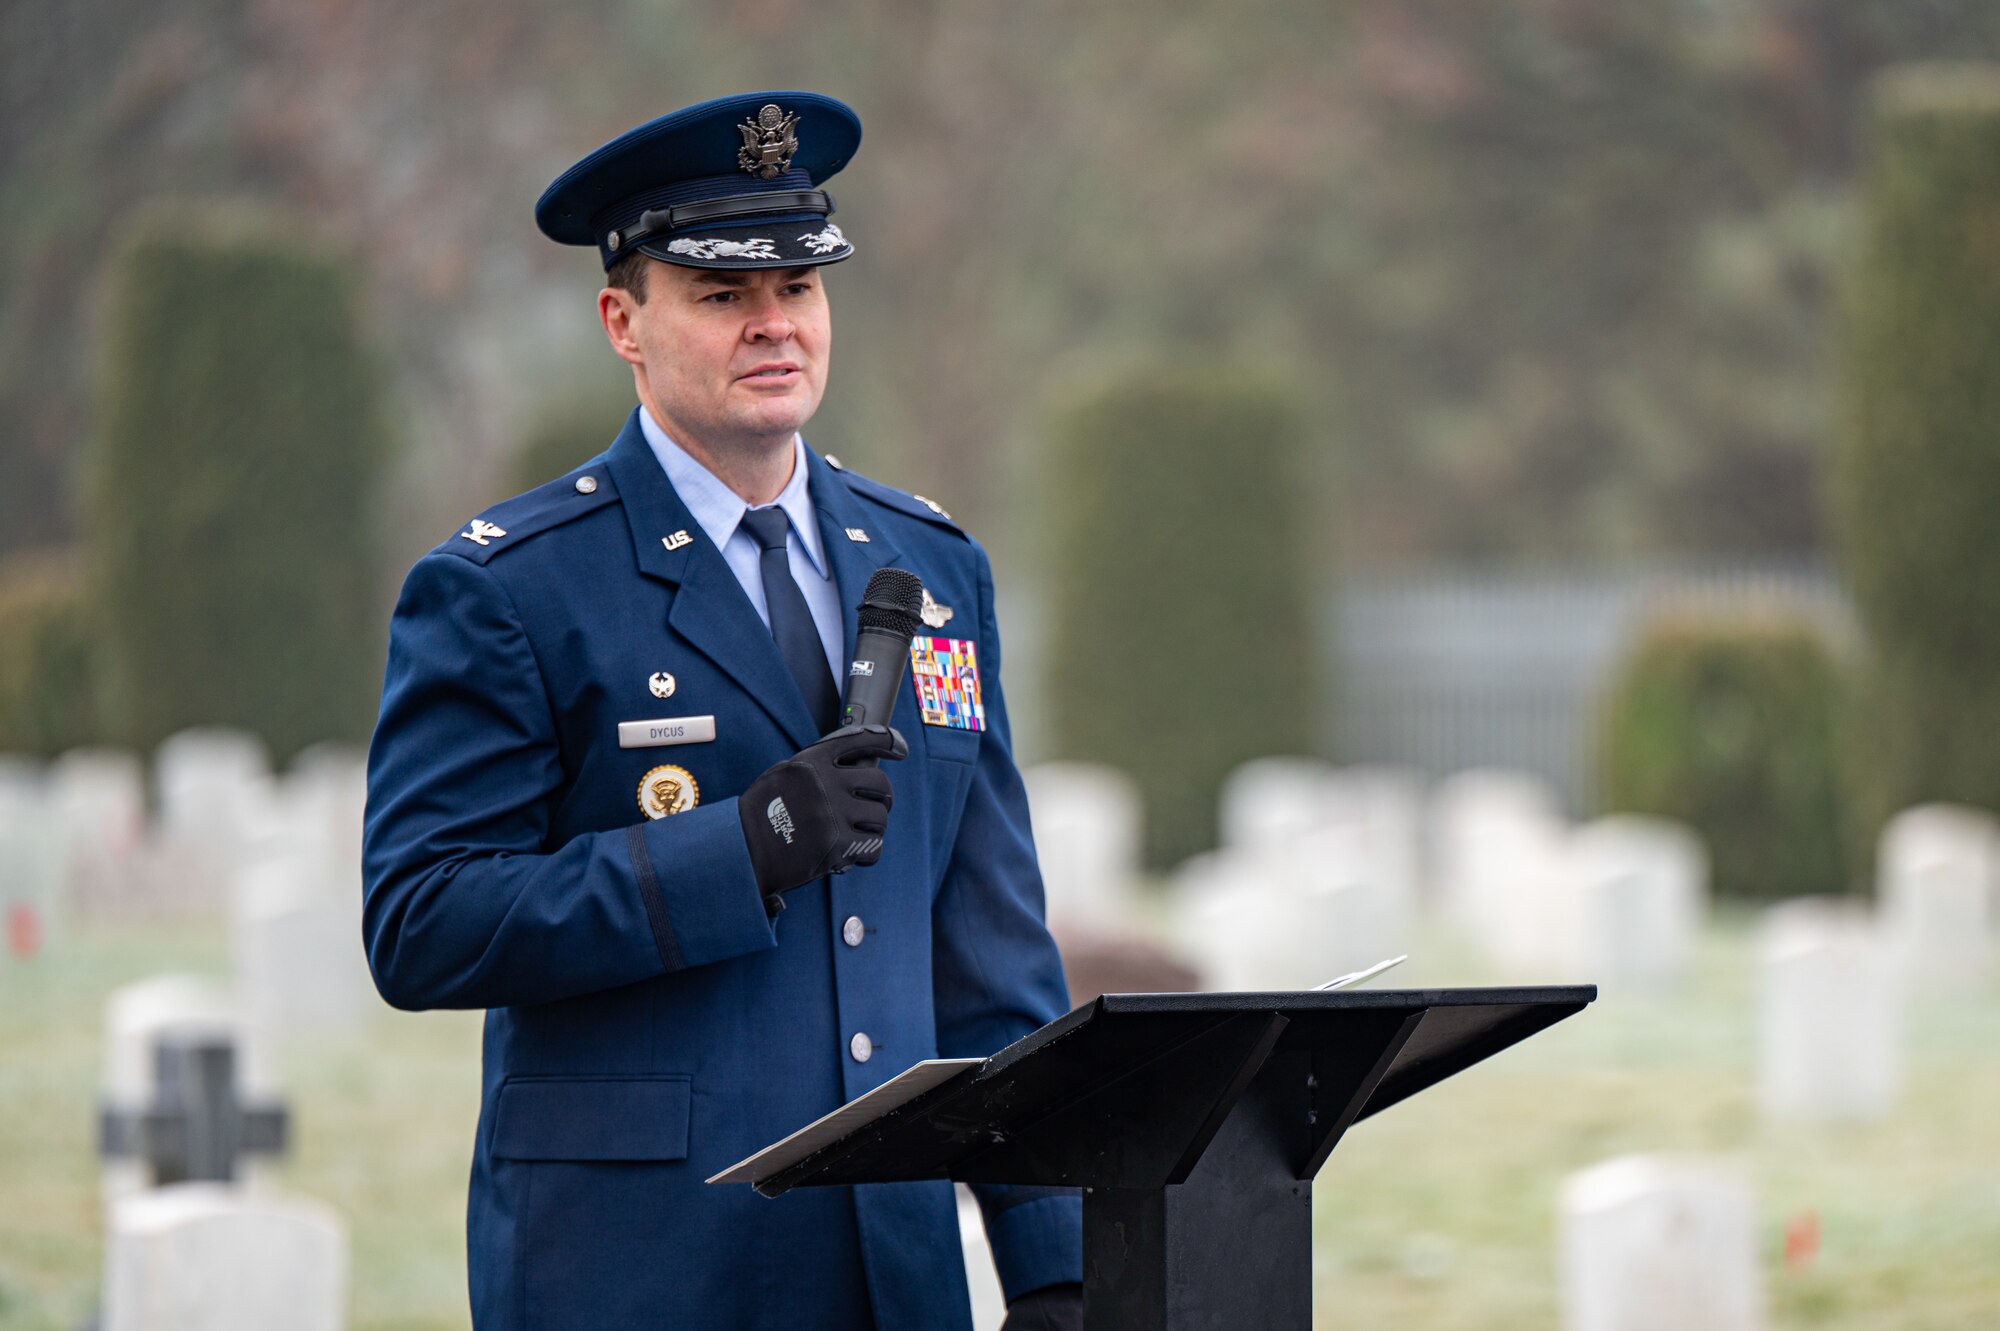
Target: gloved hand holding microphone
[[826, 808]]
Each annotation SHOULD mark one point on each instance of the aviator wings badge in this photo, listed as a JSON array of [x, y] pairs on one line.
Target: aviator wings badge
[[935, 615], [769, 143]]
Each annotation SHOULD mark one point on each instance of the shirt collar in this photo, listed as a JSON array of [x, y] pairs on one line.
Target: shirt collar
[[720, 509]]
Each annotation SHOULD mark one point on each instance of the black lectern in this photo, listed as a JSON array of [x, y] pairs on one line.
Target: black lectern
[[1194, 1124]]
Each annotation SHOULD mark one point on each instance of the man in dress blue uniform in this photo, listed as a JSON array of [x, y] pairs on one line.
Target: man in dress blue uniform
[[601, 806]]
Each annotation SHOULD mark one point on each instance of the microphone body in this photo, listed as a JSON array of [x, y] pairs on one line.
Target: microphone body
[[874, 677], [888, 618]]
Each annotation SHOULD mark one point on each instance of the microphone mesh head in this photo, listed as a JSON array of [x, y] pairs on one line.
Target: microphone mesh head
[[893, 602]]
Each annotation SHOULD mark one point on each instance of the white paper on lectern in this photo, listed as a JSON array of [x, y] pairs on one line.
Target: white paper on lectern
[[1356, 977], [892, 1094]]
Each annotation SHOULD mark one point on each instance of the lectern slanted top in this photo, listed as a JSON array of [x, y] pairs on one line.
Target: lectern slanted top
[[1194, 1123]]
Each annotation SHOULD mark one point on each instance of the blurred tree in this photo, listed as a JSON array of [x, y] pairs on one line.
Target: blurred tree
[[48, 699], [566, 435], [1917, 467], [1729, 724], [1180, 639], [230, 485]]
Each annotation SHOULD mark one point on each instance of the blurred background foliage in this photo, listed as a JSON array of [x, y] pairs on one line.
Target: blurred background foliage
[[230, 486], [1537, 282], [1916, 469], [1179, 622], [1732, 726], [1558, 269]]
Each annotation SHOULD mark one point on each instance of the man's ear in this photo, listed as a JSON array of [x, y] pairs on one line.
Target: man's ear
[[615, 310]]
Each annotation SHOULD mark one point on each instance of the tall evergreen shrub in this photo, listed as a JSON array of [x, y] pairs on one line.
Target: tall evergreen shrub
[[1180, 636], [228, 490], [48, 695], [1731, 724], [1916, 477]]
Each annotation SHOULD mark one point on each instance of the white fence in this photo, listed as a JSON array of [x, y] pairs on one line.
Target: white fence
[[1445, 671]]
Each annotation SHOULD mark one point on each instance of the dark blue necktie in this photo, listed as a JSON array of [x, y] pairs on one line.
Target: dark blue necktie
[[791, 621]]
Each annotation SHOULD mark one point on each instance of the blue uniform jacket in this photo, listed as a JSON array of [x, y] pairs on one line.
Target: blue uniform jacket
[[647, 1023]]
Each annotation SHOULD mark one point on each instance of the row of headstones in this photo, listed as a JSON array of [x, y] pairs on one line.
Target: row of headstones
[[196, 1238], [1323, 871], [1350, 856], [279, 855]]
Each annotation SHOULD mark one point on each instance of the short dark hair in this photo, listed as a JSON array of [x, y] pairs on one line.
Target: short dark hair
[[628, 274]]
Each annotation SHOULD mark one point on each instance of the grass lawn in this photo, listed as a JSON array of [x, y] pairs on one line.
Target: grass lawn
[[1438, 1215]]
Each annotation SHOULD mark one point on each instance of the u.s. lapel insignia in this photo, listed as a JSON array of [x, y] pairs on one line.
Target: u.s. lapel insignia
[[667, 790], [858, 536], [769, 143], [481, 532], [677, 540], [935, 615], [946, 673]]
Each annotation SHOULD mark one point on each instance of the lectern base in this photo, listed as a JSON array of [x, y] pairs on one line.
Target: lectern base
[[1230, 1249]]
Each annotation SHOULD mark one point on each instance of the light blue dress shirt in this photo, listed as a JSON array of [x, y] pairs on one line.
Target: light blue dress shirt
[[720, 511]]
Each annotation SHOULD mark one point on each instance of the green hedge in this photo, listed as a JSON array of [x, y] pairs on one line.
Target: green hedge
[[1732, 726], [1916, 476], [1180, 638], [229, 486], [48, 697]]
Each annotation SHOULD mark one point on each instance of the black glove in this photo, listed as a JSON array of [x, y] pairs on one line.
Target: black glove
[[821, 810], [1051, 1308]]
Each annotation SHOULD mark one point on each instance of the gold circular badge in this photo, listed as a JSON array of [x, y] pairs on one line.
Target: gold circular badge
[[667, 789]]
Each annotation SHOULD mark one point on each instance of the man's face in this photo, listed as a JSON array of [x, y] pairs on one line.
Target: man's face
[[725, 359]]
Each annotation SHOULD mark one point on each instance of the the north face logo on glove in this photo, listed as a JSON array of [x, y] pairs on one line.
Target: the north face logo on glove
[[781, 819]]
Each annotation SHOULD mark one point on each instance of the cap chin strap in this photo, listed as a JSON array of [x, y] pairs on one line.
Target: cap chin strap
[[654, 221]]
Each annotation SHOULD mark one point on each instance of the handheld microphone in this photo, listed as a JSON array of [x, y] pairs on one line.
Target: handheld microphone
[[890, 612]]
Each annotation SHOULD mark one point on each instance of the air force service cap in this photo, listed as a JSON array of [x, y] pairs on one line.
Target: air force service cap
[[732, 183]]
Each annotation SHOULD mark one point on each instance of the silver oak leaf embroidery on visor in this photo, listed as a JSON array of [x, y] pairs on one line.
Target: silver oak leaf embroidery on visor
[[755, 248], [824, 242]]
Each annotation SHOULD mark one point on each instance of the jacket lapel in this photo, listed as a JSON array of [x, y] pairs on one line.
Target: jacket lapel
[[709, 608], [853, 561]]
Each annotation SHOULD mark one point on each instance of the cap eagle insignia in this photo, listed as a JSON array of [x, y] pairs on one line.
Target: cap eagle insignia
[[769, 143]]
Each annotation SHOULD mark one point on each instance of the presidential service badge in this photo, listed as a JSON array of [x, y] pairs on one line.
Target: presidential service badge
[[667, 789], [946, 672]]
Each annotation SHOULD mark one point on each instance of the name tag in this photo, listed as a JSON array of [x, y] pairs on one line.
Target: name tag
[[667, 730]]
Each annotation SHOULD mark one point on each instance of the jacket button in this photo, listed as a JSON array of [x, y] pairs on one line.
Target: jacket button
[[861, 1047], [852, 932]]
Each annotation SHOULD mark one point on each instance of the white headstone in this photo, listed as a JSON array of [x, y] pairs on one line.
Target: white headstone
[[1284, 918], [207, 1257], [1829, 1014], [299, 959], [1640, 890], [217, 803], [1386, 807], [989, 1304], [1497, 839], [97, 801], [1086, 818], [34, 868], [323, 797], [1275, 800], [1658, 1245], [137, 1017], [1938, 868]]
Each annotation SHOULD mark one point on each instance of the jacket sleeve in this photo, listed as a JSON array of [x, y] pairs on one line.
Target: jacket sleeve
[[465, 906], [997, 975]]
